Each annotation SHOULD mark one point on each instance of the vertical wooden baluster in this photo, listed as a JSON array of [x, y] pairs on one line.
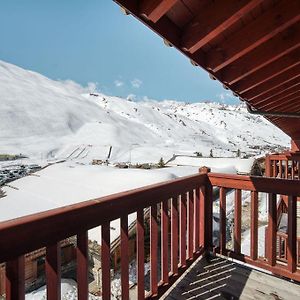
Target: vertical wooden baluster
[[197, 219], [275, 168], [190, 223], [140, 237], [15, 279], [183, 200], [164, 242], [268, 166], [222, 220], [292, 171], [153, 249], [124, 258], [105, 260], [82, 265], [174, 235], [272, 228], [280, 168], [298, 168], [286, 169], [53, 271], [292, 233], [254, 225], [202, 208], [237, 220], [206, 211]]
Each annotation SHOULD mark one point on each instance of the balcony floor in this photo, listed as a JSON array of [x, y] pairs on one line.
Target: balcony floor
[[217, 278]]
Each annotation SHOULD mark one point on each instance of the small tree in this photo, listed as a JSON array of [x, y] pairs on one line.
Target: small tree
[[161, 163], [211, 153], [238, 153]]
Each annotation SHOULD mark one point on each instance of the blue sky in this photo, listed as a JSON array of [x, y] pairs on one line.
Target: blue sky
[[92, 41]]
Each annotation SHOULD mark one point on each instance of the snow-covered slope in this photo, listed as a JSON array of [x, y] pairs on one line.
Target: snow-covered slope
[[61, 120]]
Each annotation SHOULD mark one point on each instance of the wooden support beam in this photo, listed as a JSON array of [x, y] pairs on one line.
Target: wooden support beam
[[268, 72], [285, 106], [155, 9], [265, 54], [284, 95], [263, 28], [287, 89], [295, 145], [274, 103], [275, 82], [209, 24]]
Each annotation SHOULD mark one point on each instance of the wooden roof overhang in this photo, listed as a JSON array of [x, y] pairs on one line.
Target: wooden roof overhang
[[251, 46]]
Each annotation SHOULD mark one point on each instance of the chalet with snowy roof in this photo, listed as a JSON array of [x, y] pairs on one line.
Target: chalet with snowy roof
[[252, 47]]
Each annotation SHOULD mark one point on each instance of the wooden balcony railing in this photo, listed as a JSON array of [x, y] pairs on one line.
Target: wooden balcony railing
[[283, 165], [181, 213], [255, 185]]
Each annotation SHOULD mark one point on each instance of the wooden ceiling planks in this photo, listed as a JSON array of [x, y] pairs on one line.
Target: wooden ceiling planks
[[251, 46]]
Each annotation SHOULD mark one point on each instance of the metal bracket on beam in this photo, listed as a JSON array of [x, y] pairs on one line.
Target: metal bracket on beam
[[270, 113]]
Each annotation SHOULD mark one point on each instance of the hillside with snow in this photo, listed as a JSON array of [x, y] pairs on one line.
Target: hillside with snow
[[43, 118]]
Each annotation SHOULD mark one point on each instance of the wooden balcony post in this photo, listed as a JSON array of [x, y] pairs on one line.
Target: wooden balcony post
[[105, 261], [15, 279], [237, 220], [153, 250], [222, 220], [53, 271], [82, 265], [124, 258], [207, 215], [268, 166], [140, 238], [292, 233], [174, 235], [271, 232], [254, 225]]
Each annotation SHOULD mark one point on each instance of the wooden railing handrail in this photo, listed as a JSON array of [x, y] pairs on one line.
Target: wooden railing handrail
[[25, 234], [256, 183]]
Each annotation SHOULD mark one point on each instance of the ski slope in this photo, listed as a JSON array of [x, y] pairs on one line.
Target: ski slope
[[53, 120]]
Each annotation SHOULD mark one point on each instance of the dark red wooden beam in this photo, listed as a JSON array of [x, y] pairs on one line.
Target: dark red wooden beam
[[268, 72], [277, 81], [264, 27], [291, 107], [285, 92], [285, 98], [155, 9], [287, 89], [280, 104], [263, 55], [215, 18]]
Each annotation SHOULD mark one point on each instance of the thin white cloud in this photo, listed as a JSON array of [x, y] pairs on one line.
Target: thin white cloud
[[223, 97], [136, 83], [118, 83]]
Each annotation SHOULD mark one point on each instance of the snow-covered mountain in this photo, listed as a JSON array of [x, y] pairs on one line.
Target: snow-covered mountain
[[61, 119]]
